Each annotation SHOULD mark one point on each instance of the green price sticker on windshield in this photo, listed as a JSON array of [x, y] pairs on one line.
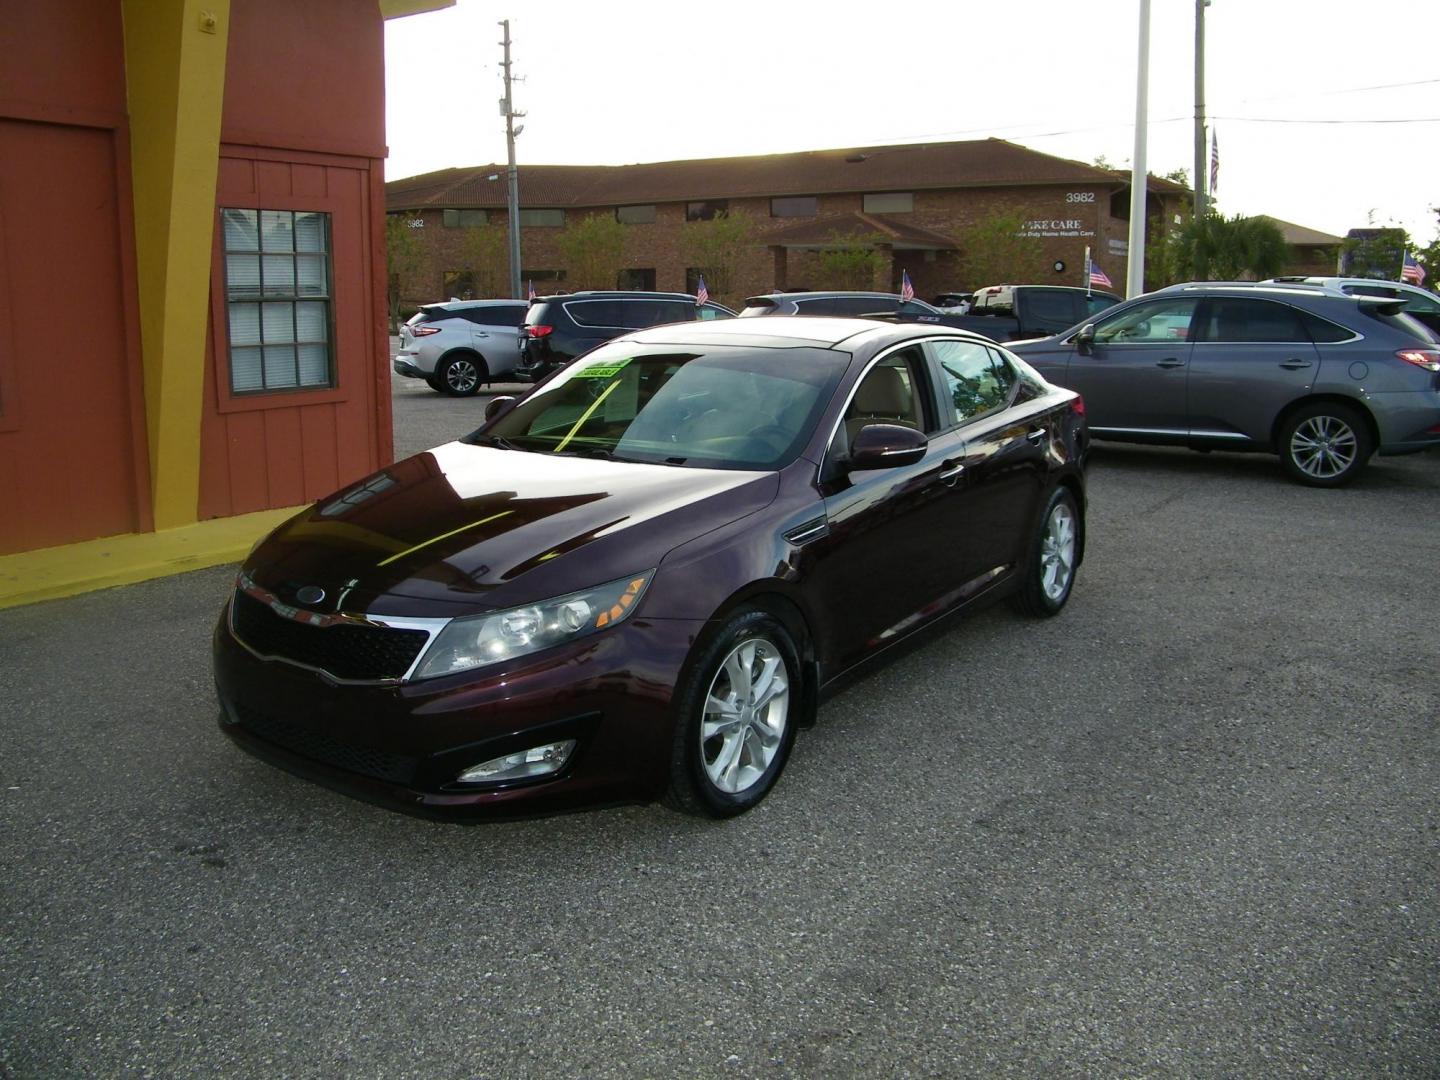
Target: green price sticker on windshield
[[601, 371]]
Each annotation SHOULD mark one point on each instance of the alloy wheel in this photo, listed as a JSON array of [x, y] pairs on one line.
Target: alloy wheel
[[746, 710], [1323, 447], [1057, 552], [461, 376]]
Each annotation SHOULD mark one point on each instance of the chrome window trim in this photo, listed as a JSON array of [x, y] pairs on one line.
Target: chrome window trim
[[1183, 433], [855, 388], [431, 626]]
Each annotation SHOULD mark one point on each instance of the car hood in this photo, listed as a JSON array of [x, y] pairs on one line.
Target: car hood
[[465, 528]]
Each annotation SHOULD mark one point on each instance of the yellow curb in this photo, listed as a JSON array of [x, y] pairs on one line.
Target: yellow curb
[[49, 573]]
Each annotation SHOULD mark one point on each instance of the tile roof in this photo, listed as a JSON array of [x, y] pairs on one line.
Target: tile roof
[[911, 167], [876, 228], [1300, 235]]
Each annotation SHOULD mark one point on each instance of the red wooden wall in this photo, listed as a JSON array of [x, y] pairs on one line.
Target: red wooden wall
[[72, 439], [303, 130]]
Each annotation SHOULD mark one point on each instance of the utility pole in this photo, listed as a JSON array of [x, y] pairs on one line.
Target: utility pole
[[507, 110], [1139, 178], [1202, 173]]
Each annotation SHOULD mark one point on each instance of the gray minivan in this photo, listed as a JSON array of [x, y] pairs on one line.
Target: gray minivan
[[1323, 379]]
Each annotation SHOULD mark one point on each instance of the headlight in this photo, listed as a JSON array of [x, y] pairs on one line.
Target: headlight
[[503, 635]]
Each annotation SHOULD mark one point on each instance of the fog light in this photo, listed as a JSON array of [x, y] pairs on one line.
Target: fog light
[[537, 761]]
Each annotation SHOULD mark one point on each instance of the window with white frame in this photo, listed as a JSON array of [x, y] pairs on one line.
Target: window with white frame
[[277, 291]]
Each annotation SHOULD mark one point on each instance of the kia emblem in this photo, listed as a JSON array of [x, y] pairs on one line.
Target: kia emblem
[[309, 594]]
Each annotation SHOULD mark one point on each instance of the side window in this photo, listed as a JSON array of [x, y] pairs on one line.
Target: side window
[[910, 307], [597, 313], [890, 393], [1056, 308], [1157, 321], [706, 312], [974, 378], [1096, 304], [1243, 320], [1323, 331]]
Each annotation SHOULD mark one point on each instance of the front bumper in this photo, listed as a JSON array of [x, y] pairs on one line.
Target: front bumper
[[403, 745]]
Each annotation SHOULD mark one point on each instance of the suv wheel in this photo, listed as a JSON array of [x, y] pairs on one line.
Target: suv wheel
[[1325, 444], [459, 374]]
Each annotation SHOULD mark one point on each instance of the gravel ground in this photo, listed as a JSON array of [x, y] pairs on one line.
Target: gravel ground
[[1187, 828]]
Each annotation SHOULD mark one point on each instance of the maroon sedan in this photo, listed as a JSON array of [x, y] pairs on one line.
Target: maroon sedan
[[639, 580]]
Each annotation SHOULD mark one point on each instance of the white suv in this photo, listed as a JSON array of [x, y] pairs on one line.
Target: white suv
[[1420, 304], [458, 345]]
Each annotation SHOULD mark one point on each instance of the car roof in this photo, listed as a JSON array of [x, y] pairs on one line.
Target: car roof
[[1339, 282], [461, 305], [614, 294], [788, 331], [822, 294]]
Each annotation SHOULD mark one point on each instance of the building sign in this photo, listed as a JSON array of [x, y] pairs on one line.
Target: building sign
[[1056, 227]]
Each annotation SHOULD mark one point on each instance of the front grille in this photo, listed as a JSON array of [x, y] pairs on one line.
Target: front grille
[[365, 760], [346, 651]]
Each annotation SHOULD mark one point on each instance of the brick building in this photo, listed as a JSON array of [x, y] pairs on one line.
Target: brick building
[[918, 206]]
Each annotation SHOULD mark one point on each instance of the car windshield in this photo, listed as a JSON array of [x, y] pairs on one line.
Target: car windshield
[[713, 407]]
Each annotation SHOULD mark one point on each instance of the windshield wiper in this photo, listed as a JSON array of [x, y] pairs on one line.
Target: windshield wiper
[[500, 443]]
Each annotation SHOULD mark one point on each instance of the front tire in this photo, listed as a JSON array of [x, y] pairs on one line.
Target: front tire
[[1049, 572], [459, 374], [736, 715], [1325, 444]]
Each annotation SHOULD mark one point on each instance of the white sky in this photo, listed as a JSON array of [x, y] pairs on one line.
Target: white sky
[[637, 80]]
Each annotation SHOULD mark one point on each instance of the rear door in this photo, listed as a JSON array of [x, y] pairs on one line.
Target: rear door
[[1250, 358], [1004, 439]]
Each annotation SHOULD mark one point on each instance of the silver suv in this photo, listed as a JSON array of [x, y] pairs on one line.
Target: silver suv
[[1420, 304], [456, 346], [1321, 378]]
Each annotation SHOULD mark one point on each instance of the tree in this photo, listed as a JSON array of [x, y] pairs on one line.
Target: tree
[[1376, 252], [593, 249], [1429, 255], [404, 256], [718, 248], [997, 249], [1164, 264], [850, 262], [483, 248], [1226, 249]]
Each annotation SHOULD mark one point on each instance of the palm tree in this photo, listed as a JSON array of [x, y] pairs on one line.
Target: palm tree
[[1227, 249]]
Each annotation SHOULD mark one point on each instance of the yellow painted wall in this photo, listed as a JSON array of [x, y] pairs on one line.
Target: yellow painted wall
[[175, 78]]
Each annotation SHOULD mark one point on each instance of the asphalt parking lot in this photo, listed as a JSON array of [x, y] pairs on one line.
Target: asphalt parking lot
[[1187, 828]]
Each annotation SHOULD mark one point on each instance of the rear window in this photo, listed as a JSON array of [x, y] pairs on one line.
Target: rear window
[[1401, 323], [495, 315], [1053, 307], [429, 314]]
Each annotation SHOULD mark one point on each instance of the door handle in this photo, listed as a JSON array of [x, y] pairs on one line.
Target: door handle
[[950, 473], [1036, 436], [1295, 364], [1170, 362]]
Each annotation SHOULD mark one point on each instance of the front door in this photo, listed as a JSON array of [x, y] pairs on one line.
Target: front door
[[1133, 378]]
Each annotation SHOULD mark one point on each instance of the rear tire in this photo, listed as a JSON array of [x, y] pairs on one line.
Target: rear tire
[[736, 713], [459, 374], [1326, 444], [1049, 572]]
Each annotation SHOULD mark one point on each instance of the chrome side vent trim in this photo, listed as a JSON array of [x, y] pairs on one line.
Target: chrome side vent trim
[[813, 529]]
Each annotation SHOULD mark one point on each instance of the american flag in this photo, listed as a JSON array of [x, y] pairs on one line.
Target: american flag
[[702, 294], [1214, 164], [1097, 276], [1412, 271], [531, 295], [907, 291]]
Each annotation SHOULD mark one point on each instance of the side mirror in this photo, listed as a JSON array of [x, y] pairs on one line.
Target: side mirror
[[1085, 339], [496, 405], [886, 446]]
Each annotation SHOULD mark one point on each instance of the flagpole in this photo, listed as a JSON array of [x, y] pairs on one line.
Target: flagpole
[[1087, 269]]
